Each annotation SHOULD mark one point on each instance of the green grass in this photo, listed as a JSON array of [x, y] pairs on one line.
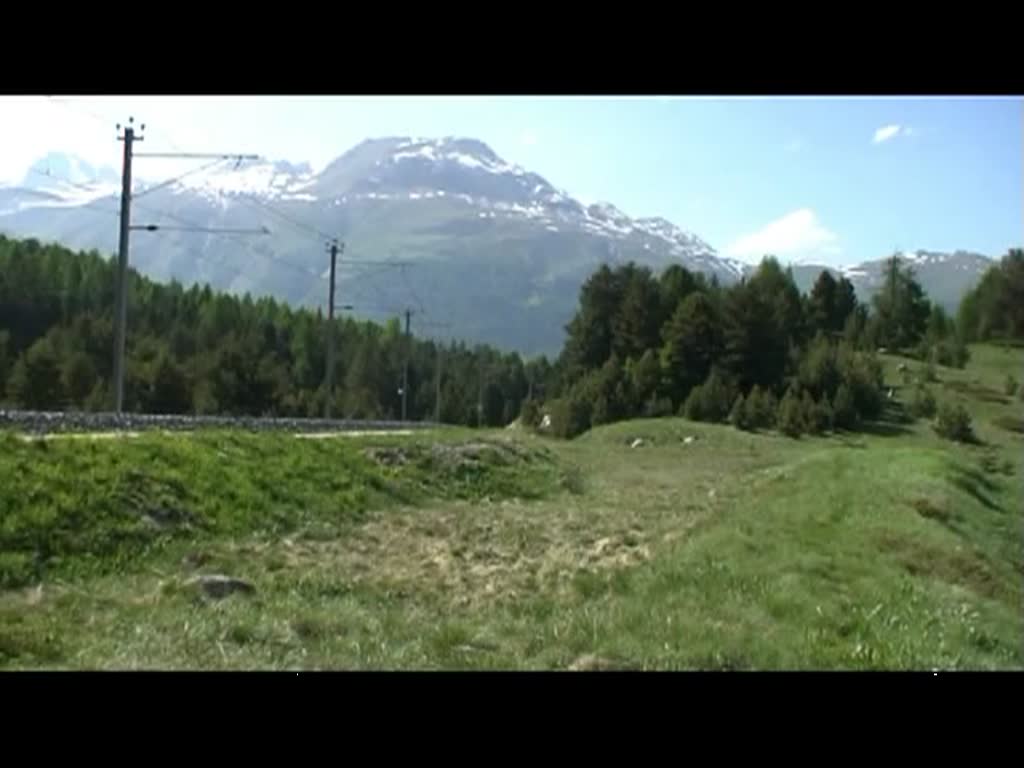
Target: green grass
[[73, 506], [892, 549]]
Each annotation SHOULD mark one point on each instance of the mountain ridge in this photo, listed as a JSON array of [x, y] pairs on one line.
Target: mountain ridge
[[496, 250]]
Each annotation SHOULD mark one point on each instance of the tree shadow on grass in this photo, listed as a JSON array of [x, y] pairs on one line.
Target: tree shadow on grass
[[974, 483], [884, 429]]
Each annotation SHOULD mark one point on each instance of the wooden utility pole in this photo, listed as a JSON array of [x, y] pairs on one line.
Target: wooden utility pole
[[405, 368], [437, 386], [121, 300], [121, 310], [330, 332]]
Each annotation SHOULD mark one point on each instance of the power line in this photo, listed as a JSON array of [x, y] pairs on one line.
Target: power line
[[209, 230], [411, 290], [228, 235], [198, 155], [67, 104], [308, 228], [169, 182]]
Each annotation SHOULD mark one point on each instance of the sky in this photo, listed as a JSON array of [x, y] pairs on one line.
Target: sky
[[816, 180]]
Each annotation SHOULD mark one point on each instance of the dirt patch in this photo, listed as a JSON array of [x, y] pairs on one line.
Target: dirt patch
[[467, 554], [927, 508], [451, 456], [591, 663], [496, 452], [388, 457]]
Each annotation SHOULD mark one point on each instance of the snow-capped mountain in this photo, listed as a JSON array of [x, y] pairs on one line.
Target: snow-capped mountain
[[495, 250], [68, 171], [58, 181], [945, 277], [228, 179]]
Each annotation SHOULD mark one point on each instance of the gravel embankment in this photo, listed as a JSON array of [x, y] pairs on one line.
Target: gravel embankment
[[47, 422]]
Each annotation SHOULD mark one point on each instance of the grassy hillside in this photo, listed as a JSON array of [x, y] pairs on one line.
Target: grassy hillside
[[701, 547]]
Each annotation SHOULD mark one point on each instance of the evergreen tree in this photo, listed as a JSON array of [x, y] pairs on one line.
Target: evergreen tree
[[738, 415], [35, 381], [636, 325], [844, 409], [791, 418], [643, 377], [693, 342], [901, 307], [822, 303], [79, 378], [5, 362], [589, 334], [169, 389]]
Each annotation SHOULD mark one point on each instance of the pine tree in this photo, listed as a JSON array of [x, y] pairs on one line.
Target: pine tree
[[790, 417], [717, 396], [692, 343], [635, 325], [760, 408], [169, 390], [589, 334], [644, 376], [79, 378], [692, 409], [845, 305], [5, 361], [35, 381], [822, 303], [738, 414], [901, 307], [844, 410]]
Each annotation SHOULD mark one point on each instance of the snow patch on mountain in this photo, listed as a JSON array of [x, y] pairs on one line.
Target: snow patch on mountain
[[467, 153], [264, 179]]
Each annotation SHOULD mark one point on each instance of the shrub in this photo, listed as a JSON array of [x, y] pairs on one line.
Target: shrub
[[709, 401], [822, 417], [529, 413], [960, 354], [716, 394], [657, 407], [862, 375], [844, 410], [922, 405], [759, 409], [570, 416], [738, 416], [954, 423], [692, 408], [790, 417], [1010, 385], [818, 370]]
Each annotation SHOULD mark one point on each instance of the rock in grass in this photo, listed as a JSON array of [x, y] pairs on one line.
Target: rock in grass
[[591, 663], [218, 585], [637, 443]]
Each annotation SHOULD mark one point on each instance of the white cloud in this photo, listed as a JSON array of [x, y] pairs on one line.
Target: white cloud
[[796, 237], [528, 138], [887, 132]]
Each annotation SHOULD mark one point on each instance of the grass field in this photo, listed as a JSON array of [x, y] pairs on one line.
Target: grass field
[[478, 550]]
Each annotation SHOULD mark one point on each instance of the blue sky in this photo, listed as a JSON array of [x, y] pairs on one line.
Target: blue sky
[[809, 179]]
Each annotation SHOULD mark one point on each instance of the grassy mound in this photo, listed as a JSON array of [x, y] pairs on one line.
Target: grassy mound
[[71, 506]]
